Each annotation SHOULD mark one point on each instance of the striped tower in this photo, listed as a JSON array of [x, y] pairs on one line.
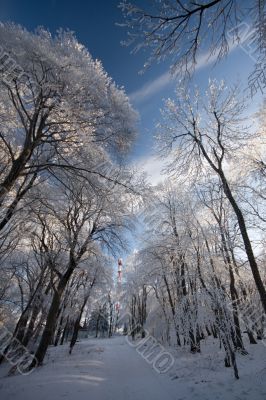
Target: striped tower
[[119, 284]]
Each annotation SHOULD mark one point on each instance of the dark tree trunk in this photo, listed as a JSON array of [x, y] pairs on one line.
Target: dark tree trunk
[[194, 342], [214, 332], [252, 340], [18, 166], [246, 240], [208, 331], [49, 328], [75, 334], [64, 333], [30, 329], [178, 341], [59, 332], [237, 337], [97, 326], [77, 326], [110, 330], [48, 332]]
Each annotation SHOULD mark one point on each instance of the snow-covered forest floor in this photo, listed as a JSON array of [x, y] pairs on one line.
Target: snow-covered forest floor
[[110, 369]]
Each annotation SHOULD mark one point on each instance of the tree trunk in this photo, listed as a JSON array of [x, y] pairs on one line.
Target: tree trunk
[[252, 340], [77, 326], [52, 316], [59, 331], [64, 333], [246, 240], [15, 171], [49, 328], [75, 333], [237, 337], [178, 341], [30, 329]]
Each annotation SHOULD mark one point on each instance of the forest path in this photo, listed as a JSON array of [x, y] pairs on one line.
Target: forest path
[[111, 369], [103, 369]]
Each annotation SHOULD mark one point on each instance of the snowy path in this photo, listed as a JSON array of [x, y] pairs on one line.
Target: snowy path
[[107, 370]]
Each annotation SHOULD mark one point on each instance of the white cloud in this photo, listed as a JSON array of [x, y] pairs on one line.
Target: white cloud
[[151, 88], [153, 167], [161, 82]]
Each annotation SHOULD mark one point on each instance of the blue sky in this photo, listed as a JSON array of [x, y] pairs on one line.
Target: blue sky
[[93, 22]]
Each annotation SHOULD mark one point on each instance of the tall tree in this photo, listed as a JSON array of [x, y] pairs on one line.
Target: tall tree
[[202, 137]]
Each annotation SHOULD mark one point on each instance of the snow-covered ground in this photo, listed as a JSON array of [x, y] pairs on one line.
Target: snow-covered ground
[[109, 369]]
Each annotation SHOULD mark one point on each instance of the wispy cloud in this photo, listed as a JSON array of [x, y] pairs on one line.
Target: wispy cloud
[[151, 88], [164, 80]]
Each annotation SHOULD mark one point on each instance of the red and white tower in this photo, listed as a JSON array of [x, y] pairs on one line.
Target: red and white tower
[[119, 284]]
